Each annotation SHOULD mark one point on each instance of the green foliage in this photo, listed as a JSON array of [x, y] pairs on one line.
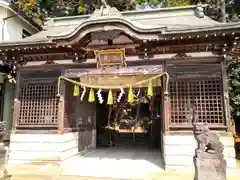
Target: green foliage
[[154, 1], [141, 1], [234, 88], [30, 7], [233, 10], [175, 3]]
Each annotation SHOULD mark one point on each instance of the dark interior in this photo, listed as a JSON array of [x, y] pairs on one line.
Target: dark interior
[[150, 118]]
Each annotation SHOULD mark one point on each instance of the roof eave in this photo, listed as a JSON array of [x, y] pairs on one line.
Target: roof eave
[[223, 28], [202, 29]]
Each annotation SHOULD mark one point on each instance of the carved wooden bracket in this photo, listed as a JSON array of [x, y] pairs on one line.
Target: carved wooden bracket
[[78, 57], [146, 52]]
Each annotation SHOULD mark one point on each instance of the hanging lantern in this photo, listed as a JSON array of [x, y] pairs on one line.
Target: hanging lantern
[[91, 97], [150, 89], [130, 95], [110, 97], [76, 90]]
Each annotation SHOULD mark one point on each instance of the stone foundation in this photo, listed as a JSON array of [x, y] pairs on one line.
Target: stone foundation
[[35, 148], [180, 150]]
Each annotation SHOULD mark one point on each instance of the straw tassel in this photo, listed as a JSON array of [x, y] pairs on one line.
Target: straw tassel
[[110, 97], [76, 90], [91, 97], [150, 89], [130, 95]]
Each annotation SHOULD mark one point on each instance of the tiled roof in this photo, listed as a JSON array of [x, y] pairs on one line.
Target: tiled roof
[[162, 20]]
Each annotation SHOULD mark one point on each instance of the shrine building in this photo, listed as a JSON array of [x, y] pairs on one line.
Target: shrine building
[[128, 79]]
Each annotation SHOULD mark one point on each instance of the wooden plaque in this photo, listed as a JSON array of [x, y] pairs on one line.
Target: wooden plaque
[[110, 57]]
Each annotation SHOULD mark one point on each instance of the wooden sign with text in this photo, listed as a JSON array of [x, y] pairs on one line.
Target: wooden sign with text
[[110, 58]]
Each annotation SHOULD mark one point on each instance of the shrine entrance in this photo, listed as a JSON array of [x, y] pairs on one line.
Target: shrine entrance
[[119, 110], [127, 104], [124, 105], [125, 124], [128, 121]]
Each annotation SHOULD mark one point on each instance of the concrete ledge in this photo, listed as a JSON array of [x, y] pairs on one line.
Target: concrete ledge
[[180, 150], [181, 168], [188, 161], [44, 138], [32, 148], [229, 151]]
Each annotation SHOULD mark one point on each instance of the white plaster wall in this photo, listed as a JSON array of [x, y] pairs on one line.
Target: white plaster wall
[[3, 13], [14, 27], [11, 29]]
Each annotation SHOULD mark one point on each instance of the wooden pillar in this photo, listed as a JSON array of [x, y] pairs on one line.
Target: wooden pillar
[[226, 105], [166, 113], [166, 104], [61, 108], [16, 105], [8, 108]]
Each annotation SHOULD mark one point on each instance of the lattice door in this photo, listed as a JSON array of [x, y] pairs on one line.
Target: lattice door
[[38, 105], [205, 95]]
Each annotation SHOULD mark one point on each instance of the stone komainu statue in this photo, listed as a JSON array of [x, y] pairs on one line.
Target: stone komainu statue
[[209, 159], [208, 141]]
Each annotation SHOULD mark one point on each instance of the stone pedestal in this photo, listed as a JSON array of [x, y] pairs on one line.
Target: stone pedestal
[[3, 162], [210, 166]]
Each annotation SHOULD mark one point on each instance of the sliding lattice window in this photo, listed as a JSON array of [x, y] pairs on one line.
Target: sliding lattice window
[[204, 95], [38, 105]]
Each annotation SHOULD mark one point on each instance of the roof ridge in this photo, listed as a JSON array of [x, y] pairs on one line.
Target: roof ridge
[[135, 12]]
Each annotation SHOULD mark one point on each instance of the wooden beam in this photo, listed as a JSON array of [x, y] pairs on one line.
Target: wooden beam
[[80, 46], [147, 50], [193, 41]]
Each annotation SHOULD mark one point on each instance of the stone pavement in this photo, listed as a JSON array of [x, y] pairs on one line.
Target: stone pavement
[[54, 171], [166, 176], [162, 176], [31, 172]]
